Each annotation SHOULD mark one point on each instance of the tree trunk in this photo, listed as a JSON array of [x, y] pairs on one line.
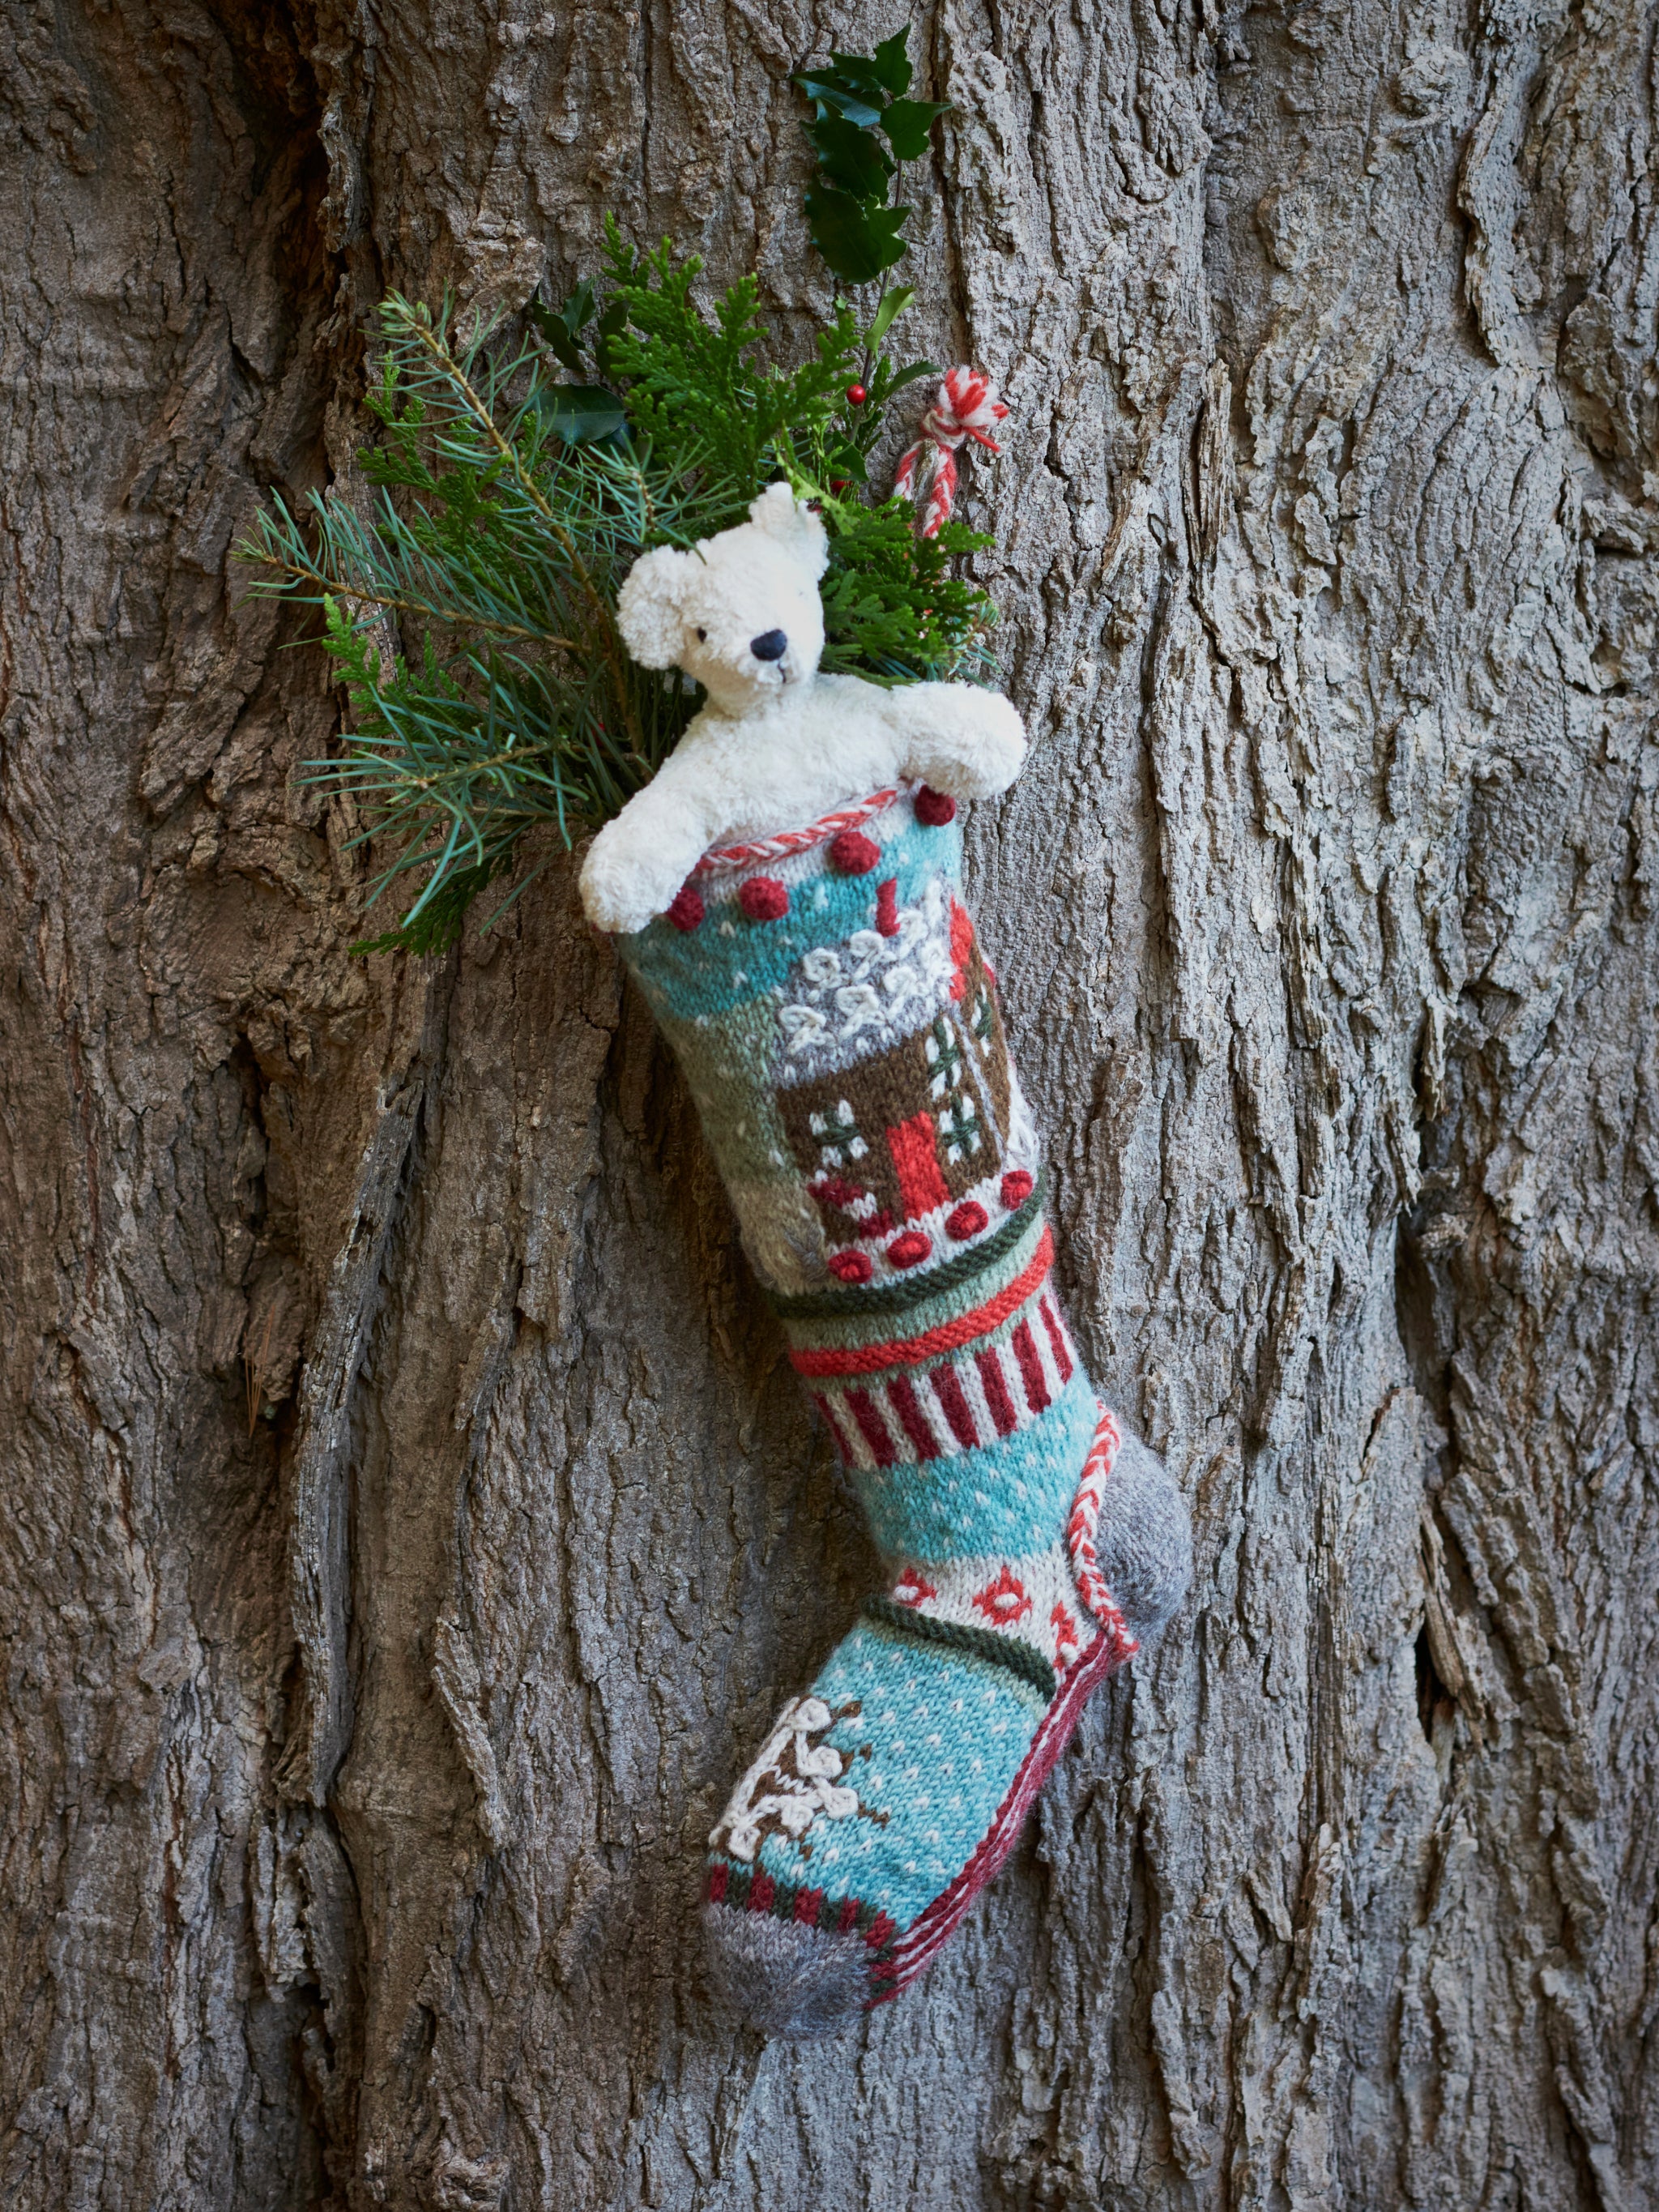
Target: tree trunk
[[414, 1524]]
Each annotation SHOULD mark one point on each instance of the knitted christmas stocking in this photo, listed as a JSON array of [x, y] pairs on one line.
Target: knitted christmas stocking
[[827, 997]]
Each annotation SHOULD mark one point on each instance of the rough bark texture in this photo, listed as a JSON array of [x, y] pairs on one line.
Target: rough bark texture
[[411, 1523]]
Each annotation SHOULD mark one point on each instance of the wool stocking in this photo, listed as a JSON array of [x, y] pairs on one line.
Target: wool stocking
[[827, 996]]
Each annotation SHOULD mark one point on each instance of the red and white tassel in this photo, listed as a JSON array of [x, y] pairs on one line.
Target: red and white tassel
[[966, 407]]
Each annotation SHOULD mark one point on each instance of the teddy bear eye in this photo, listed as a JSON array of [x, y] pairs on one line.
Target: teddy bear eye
[[703, 636]]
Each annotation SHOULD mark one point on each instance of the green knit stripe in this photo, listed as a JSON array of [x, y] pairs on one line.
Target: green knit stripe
[[903, 1297], [1011, 1652], [866, 1325]]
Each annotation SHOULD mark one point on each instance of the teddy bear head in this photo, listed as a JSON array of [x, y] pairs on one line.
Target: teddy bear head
[[740, 613]]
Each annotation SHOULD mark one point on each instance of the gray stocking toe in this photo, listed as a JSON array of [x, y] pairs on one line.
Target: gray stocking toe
[[784, 1979], [1144, 1541]]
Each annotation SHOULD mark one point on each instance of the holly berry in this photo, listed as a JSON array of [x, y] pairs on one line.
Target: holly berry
[[857, 394]]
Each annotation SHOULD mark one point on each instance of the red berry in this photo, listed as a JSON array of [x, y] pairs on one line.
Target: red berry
[[911, 1249], [857, 394], [685, 910], [851, 1267], [764, 898], [851, 855], [969, 1218], [839, 484], [935, 808], [1017, 1187]]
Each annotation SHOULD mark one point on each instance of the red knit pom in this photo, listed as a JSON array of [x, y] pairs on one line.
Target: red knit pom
[[1017, 1187], [935, 808], [911, 1249], [851, 855], [685, 910], [851, 1267], [764, 898], [968, 1220]]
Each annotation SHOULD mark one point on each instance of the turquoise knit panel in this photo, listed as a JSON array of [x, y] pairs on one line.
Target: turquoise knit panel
[[930, 1741]]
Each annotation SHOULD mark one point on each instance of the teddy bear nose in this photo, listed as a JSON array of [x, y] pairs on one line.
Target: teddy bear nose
[[770, 645]]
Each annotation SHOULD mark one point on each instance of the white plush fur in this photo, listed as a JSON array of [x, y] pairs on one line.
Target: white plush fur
[[777, 744]]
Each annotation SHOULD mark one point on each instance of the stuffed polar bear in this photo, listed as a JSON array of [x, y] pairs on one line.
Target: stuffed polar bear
[[776, 744], [824, 990]]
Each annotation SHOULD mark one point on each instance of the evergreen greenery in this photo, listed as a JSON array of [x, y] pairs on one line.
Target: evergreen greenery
[[470, 609], [855, 97]]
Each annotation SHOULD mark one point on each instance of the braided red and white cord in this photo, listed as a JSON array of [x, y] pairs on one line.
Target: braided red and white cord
[[1081, 1533], [725, 857], [966, 407]]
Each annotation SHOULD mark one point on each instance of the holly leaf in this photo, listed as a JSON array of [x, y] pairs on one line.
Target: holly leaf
[[612, 323], [582, 414], [891, 64], [832, 95], [907, 123], [857, 240], [559, 326], [577, 312], [844, 464], [851, 159], [890, 306], [859, 75], [911, 373]]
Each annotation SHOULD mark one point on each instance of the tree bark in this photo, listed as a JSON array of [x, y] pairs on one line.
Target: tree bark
[[413, 1523]]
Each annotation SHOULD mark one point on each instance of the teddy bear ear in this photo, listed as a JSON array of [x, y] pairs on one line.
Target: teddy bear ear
[[794, 524], [649, 606]]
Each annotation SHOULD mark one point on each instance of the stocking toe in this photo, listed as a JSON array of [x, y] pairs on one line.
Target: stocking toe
[[782, 1978], [1144, 1541]]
